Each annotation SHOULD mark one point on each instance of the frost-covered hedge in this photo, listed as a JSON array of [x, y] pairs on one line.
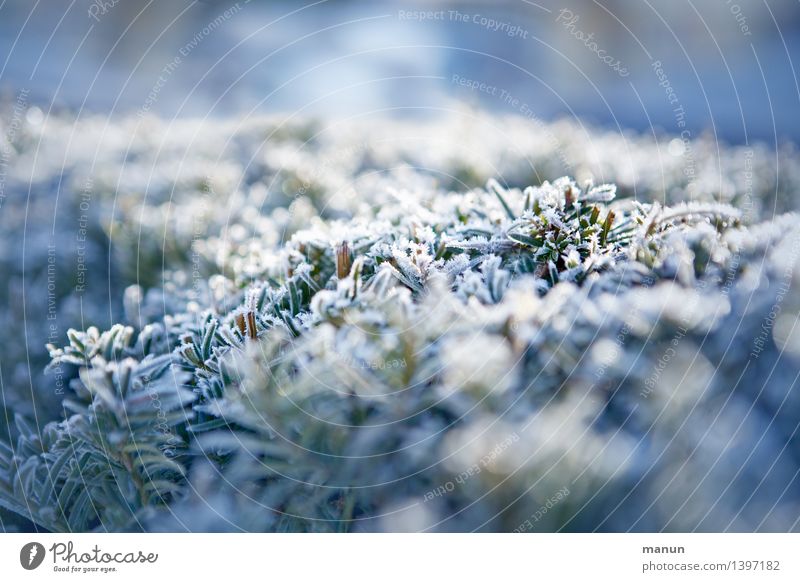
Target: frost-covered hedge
[[394, 326]]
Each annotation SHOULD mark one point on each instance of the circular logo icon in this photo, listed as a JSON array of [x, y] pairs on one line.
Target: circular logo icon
[[31, 555]]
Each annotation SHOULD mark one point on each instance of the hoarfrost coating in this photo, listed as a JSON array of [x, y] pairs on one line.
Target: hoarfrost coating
[[314, 327]]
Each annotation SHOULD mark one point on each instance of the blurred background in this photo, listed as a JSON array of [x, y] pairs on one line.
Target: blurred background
[[726, 64]]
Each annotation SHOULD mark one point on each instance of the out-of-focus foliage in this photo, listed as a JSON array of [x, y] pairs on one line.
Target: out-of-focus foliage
[[340, 331]]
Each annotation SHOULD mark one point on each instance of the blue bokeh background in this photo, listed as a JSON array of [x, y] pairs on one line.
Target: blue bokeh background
[[729, 63]]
